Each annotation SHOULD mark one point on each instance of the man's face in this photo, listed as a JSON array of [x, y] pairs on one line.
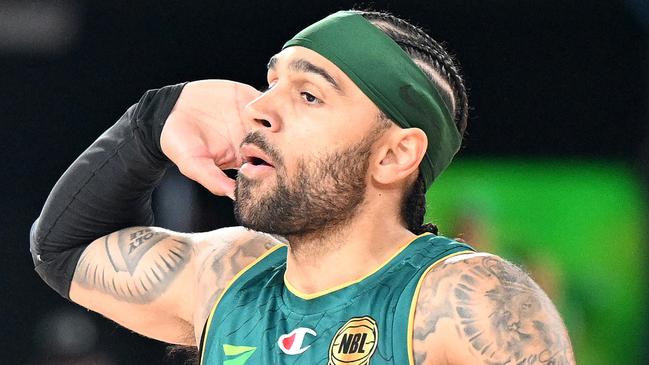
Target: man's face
[[307, 154]]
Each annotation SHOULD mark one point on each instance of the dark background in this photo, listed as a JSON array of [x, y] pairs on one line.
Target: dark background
[[547, 79]]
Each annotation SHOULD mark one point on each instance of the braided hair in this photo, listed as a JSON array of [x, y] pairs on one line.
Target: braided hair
[[444, 72]]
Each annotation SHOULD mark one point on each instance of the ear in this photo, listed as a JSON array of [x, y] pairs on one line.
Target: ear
[[399, 155]]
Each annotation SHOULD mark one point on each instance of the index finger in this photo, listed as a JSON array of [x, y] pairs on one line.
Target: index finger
[[204, 171]]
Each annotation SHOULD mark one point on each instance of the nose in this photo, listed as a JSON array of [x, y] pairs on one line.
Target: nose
[[263, 113]]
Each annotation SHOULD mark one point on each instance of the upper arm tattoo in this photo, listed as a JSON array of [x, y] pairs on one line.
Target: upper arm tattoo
[[135, 265], [498, 311]]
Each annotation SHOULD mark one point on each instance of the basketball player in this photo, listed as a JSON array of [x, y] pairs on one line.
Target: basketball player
[[363, 111]]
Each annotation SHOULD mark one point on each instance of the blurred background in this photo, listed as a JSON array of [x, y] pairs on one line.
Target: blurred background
[[553, 174]]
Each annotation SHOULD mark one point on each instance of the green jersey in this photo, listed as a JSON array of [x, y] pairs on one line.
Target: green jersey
[[261, 319]]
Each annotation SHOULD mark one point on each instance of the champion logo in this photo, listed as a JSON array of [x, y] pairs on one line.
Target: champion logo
[[291, 343]]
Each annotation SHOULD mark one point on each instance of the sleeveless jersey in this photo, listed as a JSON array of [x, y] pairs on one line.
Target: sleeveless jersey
[[261, 319]]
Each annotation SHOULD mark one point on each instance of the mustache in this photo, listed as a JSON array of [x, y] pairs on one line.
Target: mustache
[[257, 139]]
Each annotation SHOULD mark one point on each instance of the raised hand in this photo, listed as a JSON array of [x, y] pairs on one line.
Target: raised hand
[[204, 130]]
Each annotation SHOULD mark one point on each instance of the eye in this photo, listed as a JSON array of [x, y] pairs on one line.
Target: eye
[[309, 98]]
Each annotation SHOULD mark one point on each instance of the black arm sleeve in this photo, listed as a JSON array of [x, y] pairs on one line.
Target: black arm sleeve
[[106, 189]]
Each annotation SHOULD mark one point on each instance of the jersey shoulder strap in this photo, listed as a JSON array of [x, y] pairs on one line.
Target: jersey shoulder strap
[[426, 255], [274, 257]]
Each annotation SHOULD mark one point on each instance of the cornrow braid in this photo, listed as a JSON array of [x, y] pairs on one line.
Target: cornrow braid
[[413, 209], [444, 72]]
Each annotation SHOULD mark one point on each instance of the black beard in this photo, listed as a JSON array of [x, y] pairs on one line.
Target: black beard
[[325, 193]]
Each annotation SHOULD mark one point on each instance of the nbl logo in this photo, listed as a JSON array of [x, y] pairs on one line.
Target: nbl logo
[[354, 343]]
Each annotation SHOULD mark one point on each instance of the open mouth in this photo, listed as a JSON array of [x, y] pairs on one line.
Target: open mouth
[[256, 161]]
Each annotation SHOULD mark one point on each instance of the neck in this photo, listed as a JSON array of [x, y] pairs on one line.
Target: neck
[[318, 261]]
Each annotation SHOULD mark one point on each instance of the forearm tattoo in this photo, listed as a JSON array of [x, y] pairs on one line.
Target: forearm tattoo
[[499, 312], [135, 265]]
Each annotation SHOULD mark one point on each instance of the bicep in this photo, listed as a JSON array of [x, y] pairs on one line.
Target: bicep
[[489, 312], [135, 277]]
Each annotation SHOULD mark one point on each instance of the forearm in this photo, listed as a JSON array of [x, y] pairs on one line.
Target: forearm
[[106, 189]]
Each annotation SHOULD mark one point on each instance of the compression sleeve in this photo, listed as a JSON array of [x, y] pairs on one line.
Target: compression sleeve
[[106, 189]]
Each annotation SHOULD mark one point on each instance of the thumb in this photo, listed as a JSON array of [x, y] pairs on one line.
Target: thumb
[[204, 171]]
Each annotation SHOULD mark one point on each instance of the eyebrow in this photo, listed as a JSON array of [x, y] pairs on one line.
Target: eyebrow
[[302, 65]]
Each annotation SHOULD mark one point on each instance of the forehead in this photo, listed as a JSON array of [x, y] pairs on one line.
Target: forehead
[[300, 59], [296, 52]]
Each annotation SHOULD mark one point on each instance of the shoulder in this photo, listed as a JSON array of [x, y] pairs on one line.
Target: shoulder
[[225, 252], [488, 311], [221, 255], [241, 245], [235, 239]]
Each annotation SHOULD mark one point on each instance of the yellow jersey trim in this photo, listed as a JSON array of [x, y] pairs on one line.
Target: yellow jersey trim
[[227, 287], [306, 296], [415, 298]]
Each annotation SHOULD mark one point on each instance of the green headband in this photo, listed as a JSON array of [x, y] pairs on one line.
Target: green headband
[[387, 75]]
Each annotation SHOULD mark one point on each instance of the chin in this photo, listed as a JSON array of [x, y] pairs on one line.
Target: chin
[[251, 201], [255, 186], [252, 224]]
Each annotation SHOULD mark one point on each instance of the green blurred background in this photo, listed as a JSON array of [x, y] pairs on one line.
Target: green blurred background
[[578, 227]]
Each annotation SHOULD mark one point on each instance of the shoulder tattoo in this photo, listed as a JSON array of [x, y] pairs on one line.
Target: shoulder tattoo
[[498, 312], [225, 260]]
